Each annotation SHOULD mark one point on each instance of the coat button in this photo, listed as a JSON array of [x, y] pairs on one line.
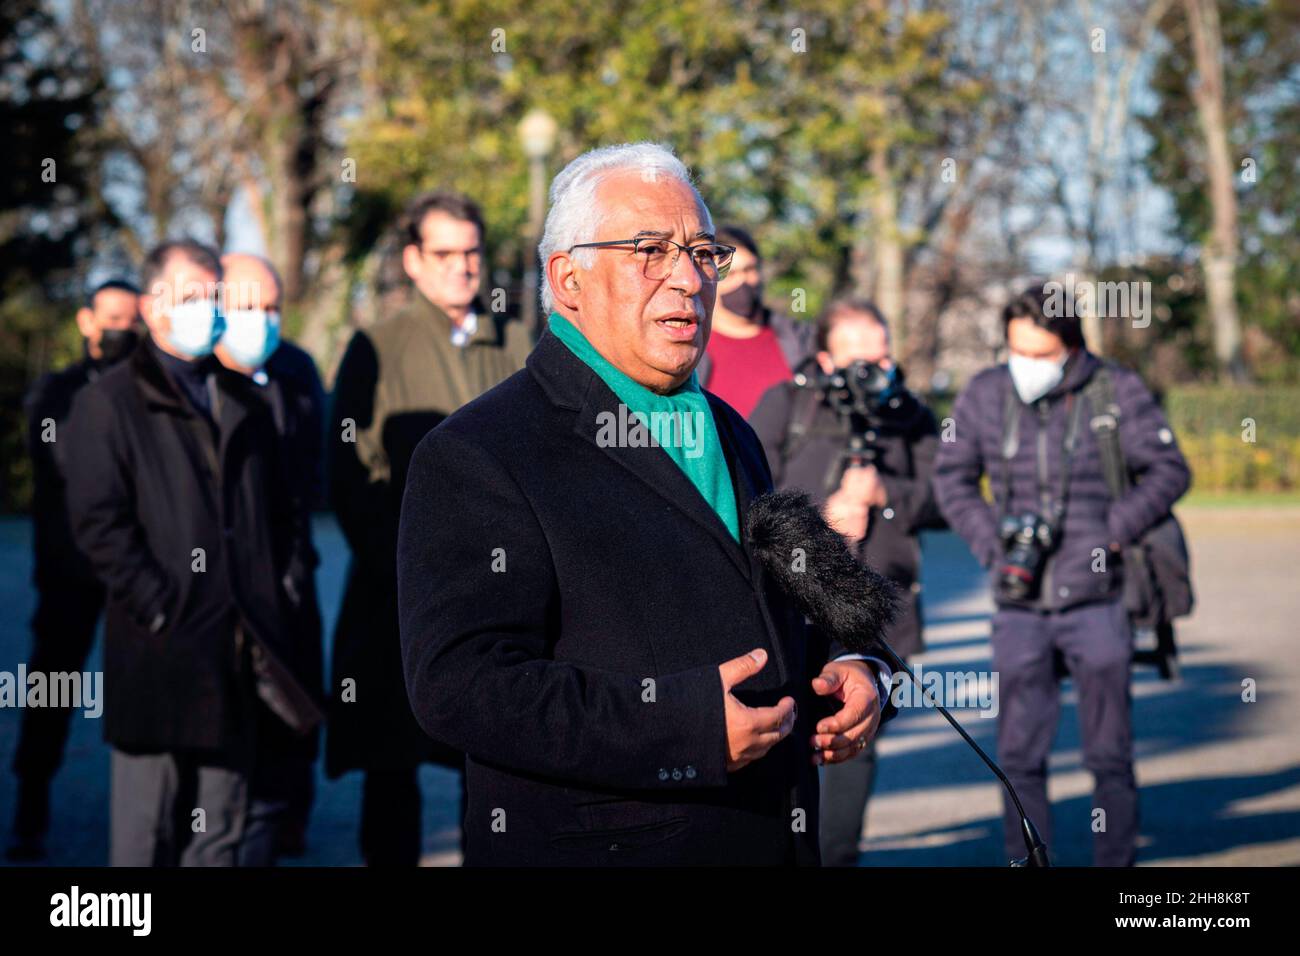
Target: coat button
[[888, 513], [677, 774], [663, 774], [690, 773], [1063, 592]]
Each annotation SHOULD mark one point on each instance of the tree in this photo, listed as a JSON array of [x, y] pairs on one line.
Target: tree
[[1219, 257], [50, 211], [1260, 121]]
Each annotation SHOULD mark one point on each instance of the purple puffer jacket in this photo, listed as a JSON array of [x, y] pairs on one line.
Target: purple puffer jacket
[[972, 447]]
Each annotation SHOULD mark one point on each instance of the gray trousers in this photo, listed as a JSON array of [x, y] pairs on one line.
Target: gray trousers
[[173, 809], [198, 808]]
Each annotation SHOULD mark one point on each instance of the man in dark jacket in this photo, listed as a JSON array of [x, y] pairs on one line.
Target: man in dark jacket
[[287, 380], [398, 380], [581, 613], [1025, 425], [176, 497], [69, 599], [865, 450]]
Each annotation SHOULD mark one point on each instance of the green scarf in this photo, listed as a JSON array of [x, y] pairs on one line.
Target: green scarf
[[682, 422]]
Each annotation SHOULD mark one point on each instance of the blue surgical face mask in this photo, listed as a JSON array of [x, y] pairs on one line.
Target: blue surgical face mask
[[251, 336], [196, 328]]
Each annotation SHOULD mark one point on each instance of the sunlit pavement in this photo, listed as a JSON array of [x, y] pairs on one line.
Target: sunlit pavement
[[1219, 777]]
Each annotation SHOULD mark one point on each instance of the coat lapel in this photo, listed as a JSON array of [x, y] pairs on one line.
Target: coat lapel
[[570, 382]]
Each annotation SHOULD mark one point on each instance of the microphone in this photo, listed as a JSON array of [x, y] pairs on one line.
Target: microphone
[[853, 604]]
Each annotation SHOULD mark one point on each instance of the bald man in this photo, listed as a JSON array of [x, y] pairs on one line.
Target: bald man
[[283, 787]]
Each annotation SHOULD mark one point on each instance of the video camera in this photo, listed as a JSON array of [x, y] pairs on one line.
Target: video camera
[[863, 394]]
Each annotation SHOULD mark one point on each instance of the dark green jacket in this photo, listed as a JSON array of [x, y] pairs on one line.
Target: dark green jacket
[[398, 380]]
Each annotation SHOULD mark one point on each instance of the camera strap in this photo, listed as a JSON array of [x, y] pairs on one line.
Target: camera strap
[[805, 402], [1011, 445], [1074, 415]]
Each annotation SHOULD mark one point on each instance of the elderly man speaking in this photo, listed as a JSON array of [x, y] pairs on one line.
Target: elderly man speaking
[[580, 610]]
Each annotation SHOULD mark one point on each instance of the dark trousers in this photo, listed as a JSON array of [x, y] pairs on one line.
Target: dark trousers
[[390, 817], [1095, 642], [63, 631], [846, 787], [391, 833]]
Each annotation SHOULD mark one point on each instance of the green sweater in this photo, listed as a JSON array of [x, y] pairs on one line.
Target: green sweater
[[681, 423]]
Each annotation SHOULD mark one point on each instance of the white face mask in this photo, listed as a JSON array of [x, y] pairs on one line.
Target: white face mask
[[195, 327], [251, 336], [1033, 377]]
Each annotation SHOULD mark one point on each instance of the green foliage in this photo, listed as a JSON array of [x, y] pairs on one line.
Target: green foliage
[[49, 209], [775, 110], [1213, 424], [1261, 41]]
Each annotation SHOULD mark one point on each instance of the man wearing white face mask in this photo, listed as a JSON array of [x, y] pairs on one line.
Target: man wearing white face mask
[[1053, 540], [178, 497], [291, 386]]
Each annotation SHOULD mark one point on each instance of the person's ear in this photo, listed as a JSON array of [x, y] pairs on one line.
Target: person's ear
[[562, 276], [86, 322], [412, 261], [151, 311], [824, 360]]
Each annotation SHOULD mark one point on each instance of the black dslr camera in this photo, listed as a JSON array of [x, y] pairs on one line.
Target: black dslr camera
[[1028, 540], [861, 388]]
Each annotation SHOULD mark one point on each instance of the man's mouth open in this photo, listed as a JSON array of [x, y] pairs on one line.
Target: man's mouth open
[[680, 328]]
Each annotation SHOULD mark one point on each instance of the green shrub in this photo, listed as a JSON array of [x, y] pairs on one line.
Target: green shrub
[[1238, 439]]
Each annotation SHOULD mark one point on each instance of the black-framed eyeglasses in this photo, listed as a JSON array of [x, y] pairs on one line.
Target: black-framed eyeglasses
[[713, 259]]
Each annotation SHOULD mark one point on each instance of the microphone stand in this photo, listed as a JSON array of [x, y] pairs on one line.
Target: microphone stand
[[1037, 850]]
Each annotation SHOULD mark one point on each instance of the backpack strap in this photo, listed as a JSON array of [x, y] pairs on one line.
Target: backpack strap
[[1104, 424], [803, 414]]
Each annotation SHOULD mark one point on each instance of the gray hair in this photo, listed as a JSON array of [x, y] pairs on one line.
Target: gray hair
[[574, 216]]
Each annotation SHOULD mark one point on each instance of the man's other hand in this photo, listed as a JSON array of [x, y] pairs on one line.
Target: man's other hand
[[849, 731]]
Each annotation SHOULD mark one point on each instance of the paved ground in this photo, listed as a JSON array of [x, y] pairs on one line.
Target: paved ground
[[1220, 778]]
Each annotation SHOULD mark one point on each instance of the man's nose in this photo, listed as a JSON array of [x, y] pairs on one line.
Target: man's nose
[[685, 277]]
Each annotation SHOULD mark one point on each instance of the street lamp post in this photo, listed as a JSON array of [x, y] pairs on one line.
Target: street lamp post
[[537, 132]]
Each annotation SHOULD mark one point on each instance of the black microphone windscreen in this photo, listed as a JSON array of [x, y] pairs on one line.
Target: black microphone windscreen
[[813, 566]]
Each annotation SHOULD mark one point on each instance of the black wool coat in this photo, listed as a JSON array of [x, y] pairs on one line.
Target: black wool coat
[[59, 566], [564, 608], [148, 483]]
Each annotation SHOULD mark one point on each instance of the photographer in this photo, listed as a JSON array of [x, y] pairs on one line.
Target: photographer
[[849, 433], [1052, 540]]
